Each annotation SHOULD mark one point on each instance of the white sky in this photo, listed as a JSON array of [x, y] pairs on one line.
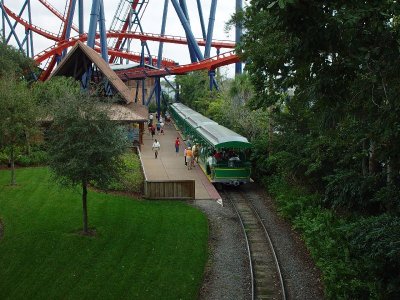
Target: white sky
[[151, 23]]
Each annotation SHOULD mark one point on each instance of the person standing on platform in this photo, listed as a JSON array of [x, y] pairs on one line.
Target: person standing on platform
[[162, 127], [189, 158], [156, 147], [153, 131], [158, 125], [184, 155], [177, 143]]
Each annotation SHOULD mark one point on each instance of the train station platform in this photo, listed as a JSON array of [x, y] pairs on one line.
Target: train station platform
[[169, 166]]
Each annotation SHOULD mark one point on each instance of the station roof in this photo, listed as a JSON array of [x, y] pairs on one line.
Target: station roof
[[77, 62], [79, 59]]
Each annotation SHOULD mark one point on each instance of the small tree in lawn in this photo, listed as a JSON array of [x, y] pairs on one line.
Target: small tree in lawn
[[18, 117], [84, 146]]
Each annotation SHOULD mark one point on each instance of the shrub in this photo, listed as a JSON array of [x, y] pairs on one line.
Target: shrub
[[131, 178], [36, 158], [359, 258], [352, 191]]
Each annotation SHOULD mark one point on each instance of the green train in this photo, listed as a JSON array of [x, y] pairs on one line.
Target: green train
[[221, 153]]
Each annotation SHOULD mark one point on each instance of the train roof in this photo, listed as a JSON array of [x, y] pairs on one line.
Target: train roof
[[217, 135], [182, 110], [221, 137], [196, 120]]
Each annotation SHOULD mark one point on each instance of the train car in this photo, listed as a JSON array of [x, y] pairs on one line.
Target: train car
[[223, 154]]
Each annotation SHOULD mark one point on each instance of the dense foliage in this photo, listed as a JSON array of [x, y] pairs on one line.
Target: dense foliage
[[327, 71]]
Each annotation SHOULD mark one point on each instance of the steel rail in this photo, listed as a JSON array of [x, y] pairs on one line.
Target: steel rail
[[247, 245], [282, 283], [255, 216]]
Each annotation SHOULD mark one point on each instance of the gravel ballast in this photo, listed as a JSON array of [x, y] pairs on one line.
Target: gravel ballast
[[227, 274]]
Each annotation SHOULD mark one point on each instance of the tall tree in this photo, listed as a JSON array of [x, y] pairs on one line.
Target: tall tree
[[18, 118], [84, 145], [18, 113]]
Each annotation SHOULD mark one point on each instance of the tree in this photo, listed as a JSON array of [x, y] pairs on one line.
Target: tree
[[13, 61], [84, 146], [341, 59], [17, 108], [18, 118], [195, 90]]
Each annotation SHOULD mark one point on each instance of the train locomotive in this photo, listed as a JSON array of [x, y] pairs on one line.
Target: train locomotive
[[221, 153]]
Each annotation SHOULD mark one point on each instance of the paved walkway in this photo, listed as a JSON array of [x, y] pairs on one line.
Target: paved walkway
[[169, 166]]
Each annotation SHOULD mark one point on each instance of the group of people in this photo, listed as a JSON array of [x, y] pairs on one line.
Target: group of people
[[191, 154], [158, 127]]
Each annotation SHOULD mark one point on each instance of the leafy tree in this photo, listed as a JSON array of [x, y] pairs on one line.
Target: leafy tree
[[13, 61], [343, 115], [17, 107], [84, 145], [195, 91], [18, 118]]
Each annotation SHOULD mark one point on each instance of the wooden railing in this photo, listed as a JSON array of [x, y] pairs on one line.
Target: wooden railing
[[170, 189]]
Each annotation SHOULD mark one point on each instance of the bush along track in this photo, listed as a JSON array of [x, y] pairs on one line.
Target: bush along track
[[358, 256]]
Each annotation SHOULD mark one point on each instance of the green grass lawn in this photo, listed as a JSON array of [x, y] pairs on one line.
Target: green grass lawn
[[143, 250]]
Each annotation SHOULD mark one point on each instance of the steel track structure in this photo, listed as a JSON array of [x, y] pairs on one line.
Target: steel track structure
[[63, 40], [116, 41], [264, 265]]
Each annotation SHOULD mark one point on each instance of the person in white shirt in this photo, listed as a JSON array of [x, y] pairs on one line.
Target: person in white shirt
[[156, 147]]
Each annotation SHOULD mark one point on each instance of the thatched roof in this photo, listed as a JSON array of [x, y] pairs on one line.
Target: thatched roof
[[79, 59], [77, 62]]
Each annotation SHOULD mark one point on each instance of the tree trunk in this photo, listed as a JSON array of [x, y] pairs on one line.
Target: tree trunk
[[28, 143], [365, 159], [270, 128], [373, 163], [389, 175], [84, 207], [12, 161]]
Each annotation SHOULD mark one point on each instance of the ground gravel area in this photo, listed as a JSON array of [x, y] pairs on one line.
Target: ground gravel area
[[227, 273]]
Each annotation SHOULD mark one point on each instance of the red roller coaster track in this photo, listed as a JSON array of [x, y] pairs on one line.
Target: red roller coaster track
[[169, 67]]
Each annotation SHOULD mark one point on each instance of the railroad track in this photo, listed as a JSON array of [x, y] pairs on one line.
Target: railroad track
[[266, 278]]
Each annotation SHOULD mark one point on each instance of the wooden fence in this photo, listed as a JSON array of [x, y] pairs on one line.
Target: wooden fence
[[167, 189]]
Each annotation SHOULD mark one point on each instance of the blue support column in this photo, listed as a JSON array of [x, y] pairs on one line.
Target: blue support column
[[213, 82], [3, 24], [164, 22], [15, 23], [30, 31], [81, 20], [11, 28], [94, 18], [239, 8], [188, 30], [158, 96], [202, 24], [210, 30], [103, 33], [69, 23], [193, 57], [143, 80]]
